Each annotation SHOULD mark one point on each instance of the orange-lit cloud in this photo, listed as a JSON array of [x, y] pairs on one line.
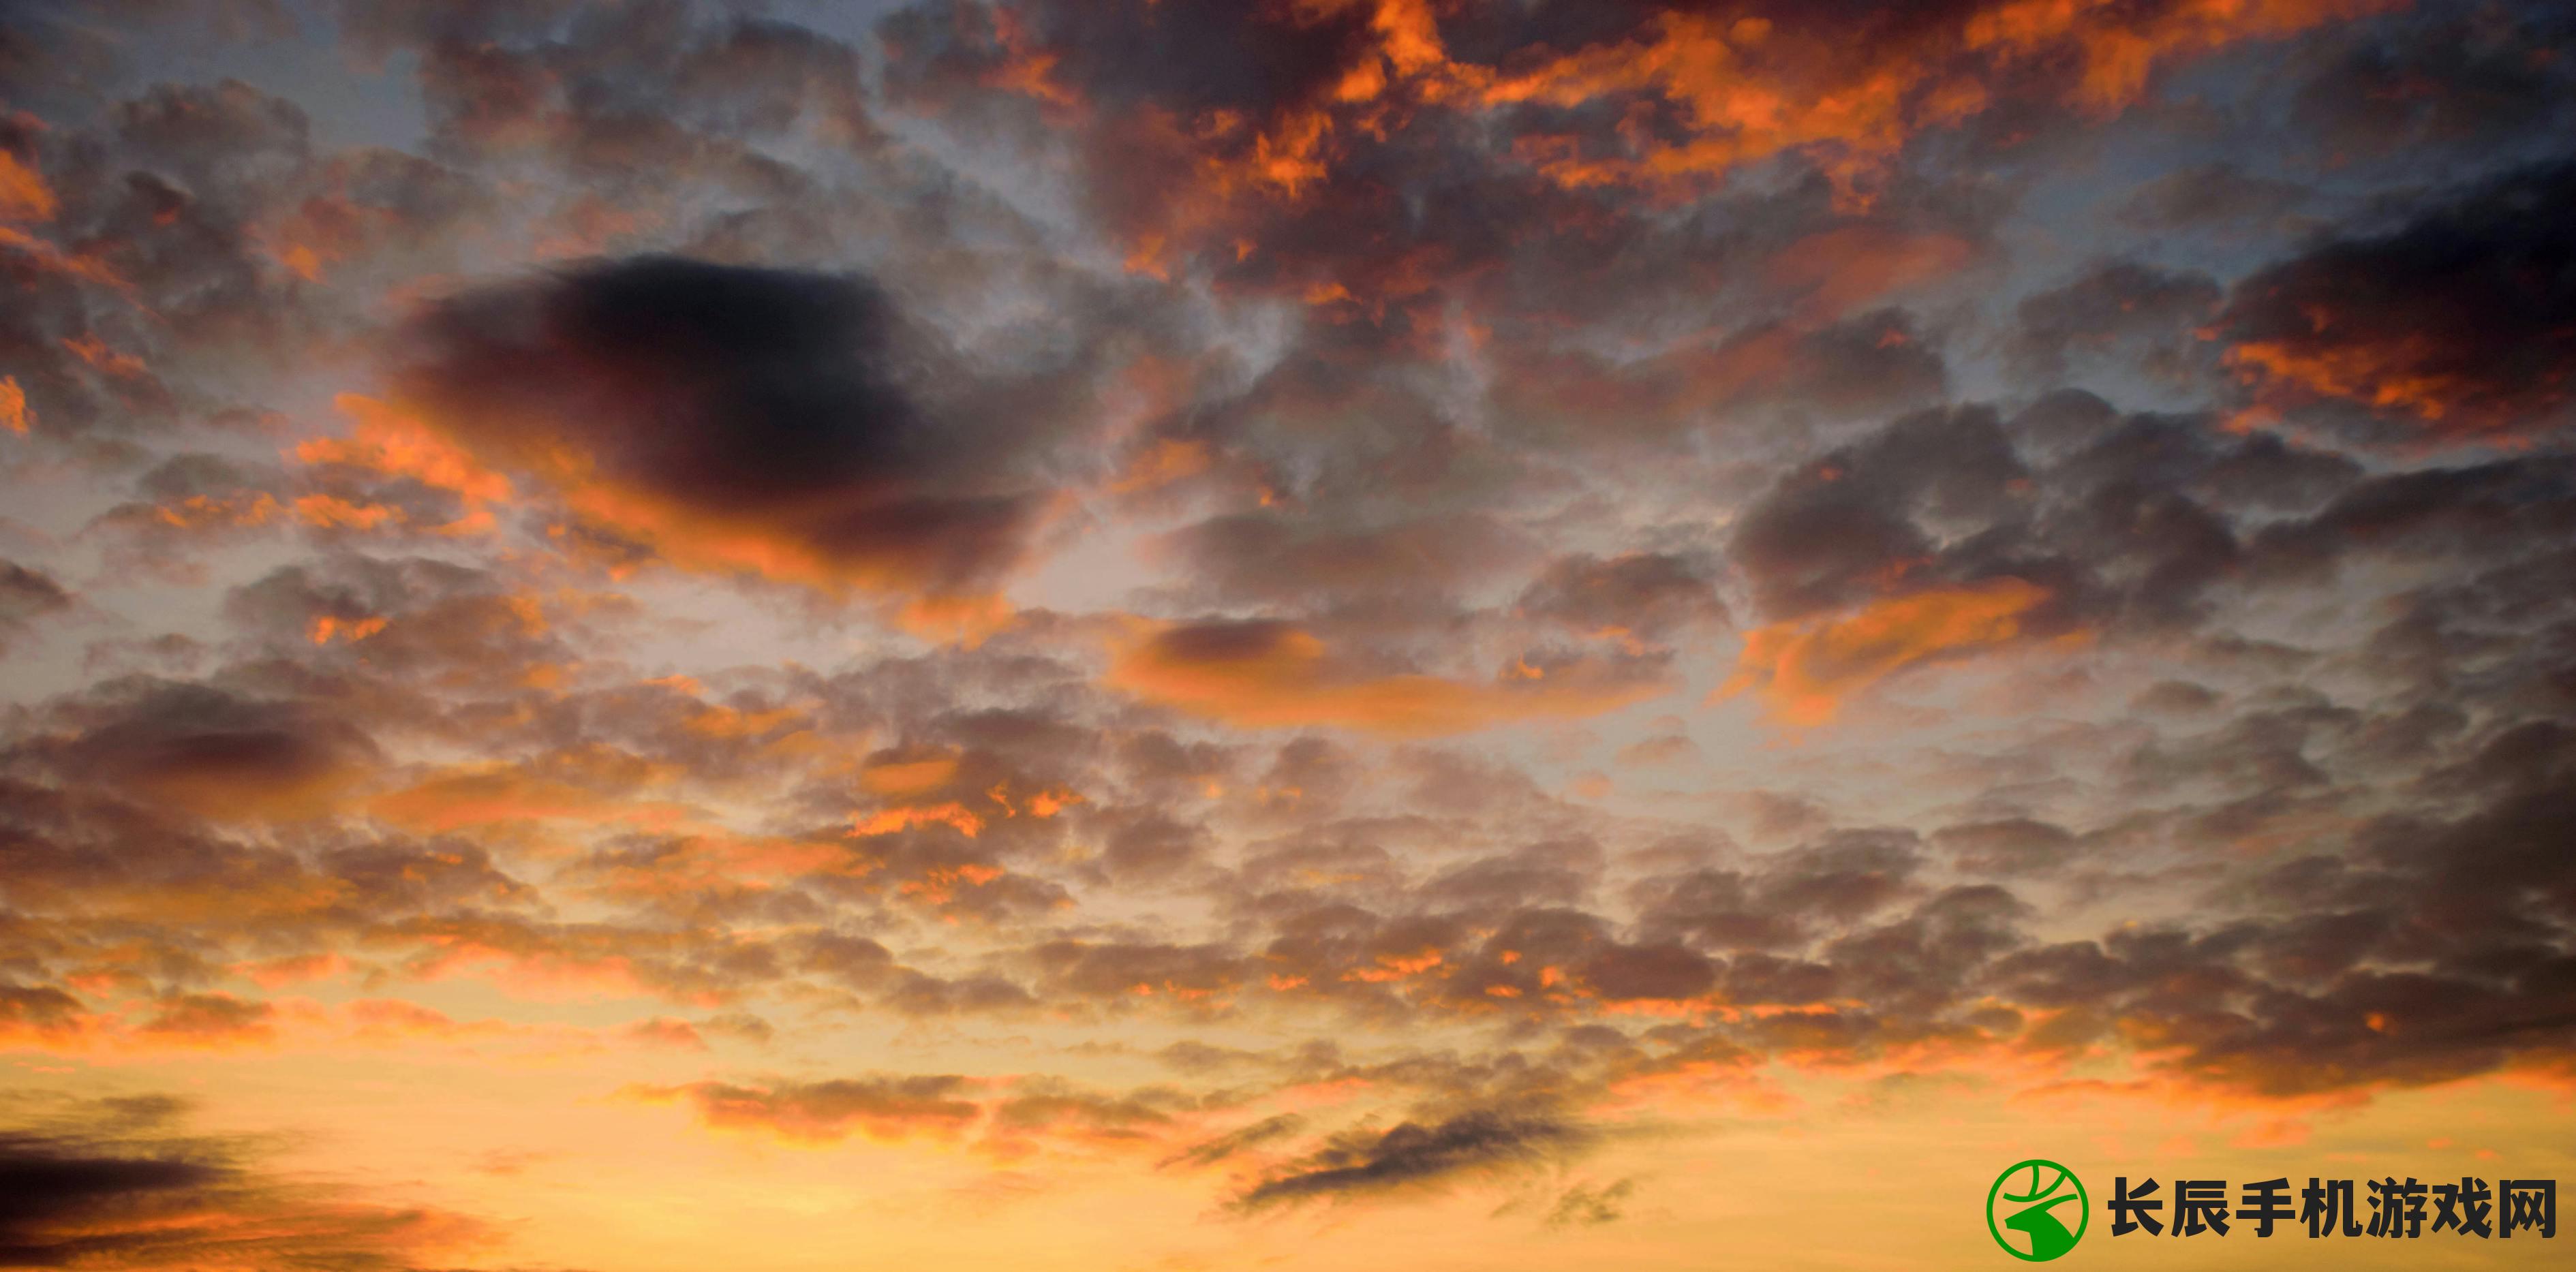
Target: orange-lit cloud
[[1161, 464], [278, 973], [2414, 373], [327, 627], [2118, 48], [819, 1113], [390, 443], [1673, 105], [908, 776], [590, 785], [890, 820], [1748, 90], [51, 259], [14, 415], [24, 196], [212, 1021], [1805, 670], [1275, 675]]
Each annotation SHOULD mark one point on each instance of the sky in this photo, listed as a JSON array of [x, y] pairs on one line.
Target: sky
[[1310, 634]]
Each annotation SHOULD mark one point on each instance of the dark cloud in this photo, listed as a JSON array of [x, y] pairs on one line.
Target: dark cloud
[[1560, 872], [2214, 195], [2013, 848], [2120, 303], [1649, 595], [115, 1183], [1274, 558], [199, 748], [25, 596], [2444, 78], [1587, 1205], [1208, 1152], [1111, 972], [2467, 512], [749, 419], [1844, 529], [48, 1182], [1415, 1155], [1788, 898], [1875, 362], [2455, 324]]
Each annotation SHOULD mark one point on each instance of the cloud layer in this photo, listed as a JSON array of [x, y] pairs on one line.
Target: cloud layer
[[1194, 632]]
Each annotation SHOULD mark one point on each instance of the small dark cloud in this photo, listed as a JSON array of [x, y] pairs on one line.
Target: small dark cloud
[[1649, 595], [27, 595], [1586, 1205], [1271, 557], [1414, 1155], [2210, 196], [2018, 847], [1208, 1152], [2120, 307], [1842, 529]]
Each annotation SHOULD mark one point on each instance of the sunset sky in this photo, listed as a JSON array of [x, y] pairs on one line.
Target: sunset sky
[[1153, 635]]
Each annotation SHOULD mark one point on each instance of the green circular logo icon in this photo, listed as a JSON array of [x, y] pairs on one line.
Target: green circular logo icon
[[2029, 1199]]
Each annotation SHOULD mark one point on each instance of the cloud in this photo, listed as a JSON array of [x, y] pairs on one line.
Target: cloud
[[211, 1021], [14, 414], [25, 596], [40, 1015], [114, 1183], [24, 196], [1271, 674], [1334, 419], [2211, 195], [1341, 155], [1863, 520], [1644, 595], [1273, 557], [1251, 1135], [215, 753], [1588, 1205], [1569, 395], [2436, 79], [789, 424], [1805, 671], [889, 1108], [2119, 303], [1007, 1120], [1418, 1156], [2454, 325]]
